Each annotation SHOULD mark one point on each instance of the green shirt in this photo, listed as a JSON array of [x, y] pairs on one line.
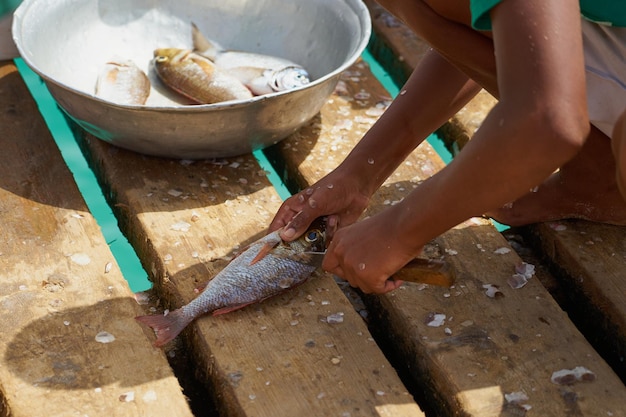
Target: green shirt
[[610, 12]]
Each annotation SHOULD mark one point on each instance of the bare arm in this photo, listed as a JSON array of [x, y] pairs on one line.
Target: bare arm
[[539, 123], [435, 92]]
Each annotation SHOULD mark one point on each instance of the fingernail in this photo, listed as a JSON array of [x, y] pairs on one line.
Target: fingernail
[[289, 233]]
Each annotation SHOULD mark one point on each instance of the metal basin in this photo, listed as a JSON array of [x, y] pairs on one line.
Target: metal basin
[[67, 41]]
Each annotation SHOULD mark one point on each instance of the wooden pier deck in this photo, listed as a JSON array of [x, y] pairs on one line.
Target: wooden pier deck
[[71, 347]]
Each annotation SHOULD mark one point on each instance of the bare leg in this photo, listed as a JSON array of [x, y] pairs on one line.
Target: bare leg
[[619, 151], [584, 188]]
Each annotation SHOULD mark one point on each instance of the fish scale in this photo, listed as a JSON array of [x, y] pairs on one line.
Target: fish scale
[[266, 268]]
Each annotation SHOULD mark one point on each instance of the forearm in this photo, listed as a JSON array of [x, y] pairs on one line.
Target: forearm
[[507, 157], [435, 92]]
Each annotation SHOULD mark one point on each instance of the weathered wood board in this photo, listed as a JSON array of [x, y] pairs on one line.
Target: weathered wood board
[[60, 287], [589, 260], [595, 283], [282, 357], [488, 350]]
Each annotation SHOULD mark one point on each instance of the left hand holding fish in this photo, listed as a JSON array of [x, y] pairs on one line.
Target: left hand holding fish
[[337, 196], [368, 252]]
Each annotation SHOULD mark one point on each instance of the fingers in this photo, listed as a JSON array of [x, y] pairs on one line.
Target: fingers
[[380, 285], [298, 212]]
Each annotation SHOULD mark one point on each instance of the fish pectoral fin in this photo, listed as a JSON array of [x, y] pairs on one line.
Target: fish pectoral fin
[[265, 249], [229, 309]]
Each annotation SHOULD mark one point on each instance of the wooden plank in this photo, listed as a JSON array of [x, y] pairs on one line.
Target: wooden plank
[[488, 347], [281, 357], [589, 260], [57, 293]]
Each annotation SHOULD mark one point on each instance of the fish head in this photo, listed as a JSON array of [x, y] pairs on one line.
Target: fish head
[[169, 56], [289, 77], [314, 239]]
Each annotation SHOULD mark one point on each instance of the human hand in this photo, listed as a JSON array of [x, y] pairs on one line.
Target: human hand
[[368, 253], [337, 196]]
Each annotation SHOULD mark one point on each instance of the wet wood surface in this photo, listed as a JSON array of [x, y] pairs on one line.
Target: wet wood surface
[[490, 356], [307, 352], [61, 292]]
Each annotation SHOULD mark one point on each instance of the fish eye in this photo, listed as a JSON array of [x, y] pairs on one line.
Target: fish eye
[[312, 236]]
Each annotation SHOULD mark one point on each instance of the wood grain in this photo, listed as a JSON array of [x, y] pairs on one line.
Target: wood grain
[[56, 295]]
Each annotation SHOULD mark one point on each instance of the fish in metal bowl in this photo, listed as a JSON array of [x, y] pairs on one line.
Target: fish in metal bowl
[[288, 62]]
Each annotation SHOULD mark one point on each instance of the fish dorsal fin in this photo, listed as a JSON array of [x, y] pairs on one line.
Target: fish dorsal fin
[[265, 249], [202, 45]]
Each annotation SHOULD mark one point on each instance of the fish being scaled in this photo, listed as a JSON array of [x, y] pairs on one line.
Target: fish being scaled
[[262, 74], [196, 77], [266, 268], [122, 82]]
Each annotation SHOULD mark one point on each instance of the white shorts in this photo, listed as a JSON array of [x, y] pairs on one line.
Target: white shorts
[[605, 68]]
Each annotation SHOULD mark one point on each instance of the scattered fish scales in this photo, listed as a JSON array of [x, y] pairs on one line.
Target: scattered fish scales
[[572, 376], [492, 291], [127, 397], [335, 318], [81, 259], [104, 337], [502, 251], [181, 226], [435, 319]]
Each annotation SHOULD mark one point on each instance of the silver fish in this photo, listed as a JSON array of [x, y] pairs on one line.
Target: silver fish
[[262, 74], [123, 82], [266, 268], [196, 77]]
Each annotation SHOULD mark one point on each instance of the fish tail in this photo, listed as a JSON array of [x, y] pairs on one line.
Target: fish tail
[[166, 327], [202, 45]]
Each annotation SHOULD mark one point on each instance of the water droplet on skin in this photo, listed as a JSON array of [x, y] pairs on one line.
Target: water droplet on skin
[[403, 92], [312, 203], [301, 198], [330, 186], [309, 191], [370, 161], [361, 266]]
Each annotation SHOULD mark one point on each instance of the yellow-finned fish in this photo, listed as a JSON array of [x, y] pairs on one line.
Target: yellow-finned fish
[[196, 77], [266, 268], [262, 74], [122, 82]]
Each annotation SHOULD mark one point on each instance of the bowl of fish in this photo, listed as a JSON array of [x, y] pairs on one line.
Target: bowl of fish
[[191, 79]]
